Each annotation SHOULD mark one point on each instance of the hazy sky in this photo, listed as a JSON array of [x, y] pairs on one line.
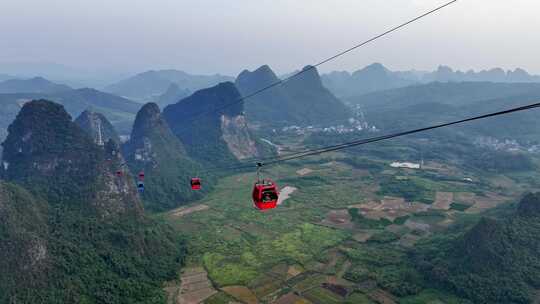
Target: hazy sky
[[208, 36]]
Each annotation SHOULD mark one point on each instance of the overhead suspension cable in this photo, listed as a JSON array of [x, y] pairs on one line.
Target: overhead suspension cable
[[394, 135], [311, 67], [279, 159]]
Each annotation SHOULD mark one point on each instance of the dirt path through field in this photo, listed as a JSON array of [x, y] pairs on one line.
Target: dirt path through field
[[195, 287], [182, 211], [443, 200], [304, 171], [285, 193], [241, 293]]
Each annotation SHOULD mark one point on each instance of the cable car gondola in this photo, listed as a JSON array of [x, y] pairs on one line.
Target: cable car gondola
[[140, 187], [141, 175], [195, 183], [265, 194]]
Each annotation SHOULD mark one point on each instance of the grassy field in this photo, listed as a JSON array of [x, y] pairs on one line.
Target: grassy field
[[312, 239]]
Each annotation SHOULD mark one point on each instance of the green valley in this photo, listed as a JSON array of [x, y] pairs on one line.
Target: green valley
[[346, 234]]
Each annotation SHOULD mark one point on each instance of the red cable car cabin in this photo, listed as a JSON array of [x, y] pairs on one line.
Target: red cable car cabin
[[265, 195], [195, 183], [141, 175]]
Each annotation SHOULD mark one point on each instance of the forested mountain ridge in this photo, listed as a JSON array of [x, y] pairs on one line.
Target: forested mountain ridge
[[53, 156], [24, 245], [76, 228], [495, 262], [301, 100], [154, 150], [212, 127]]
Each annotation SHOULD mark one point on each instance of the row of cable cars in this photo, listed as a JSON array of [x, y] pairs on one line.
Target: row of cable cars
[[265, 192]]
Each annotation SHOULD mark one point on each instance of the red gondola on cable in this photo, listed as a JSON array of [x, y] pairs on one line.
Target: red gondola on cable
[[140, 186], [141, 175], [195, 183], [119, 173], [265, 194]]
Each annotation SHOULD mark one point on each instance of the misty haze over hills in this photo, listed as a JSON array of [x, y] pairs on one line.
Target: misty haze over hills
[[151, 84], [376, 77], [286, 103], [33, 85], [302, 100], [59, 174], [272, 152]]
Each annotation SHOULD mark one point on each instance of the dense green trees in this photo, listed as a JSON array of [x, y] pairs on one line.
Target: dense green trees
[[496, 261], [155, 150], [71, 231]]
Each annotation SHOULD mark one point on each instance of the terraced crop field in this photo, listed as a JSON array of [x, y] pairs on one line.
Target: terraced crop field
[[338, 238]]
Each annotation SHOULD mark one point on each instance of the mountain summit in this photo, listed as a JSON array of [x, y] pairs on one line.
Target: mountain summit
[[33, 85], [71, 227], [149, 84], [301, 100], [155, 150], [212, 126], [57, 160], [97, 126]]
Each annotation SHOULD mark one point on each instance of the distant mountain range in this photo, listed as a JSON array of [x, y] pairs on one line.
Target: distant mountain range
[[4, 77], [302, 100], [118, 110], [33, 85], [376, 77], [150, 85], [75, 77], [422, 105]]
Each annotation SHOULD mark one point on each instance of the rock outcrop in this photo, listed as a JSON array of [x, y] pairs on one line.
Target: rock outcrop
[[57, 160], [97, 126], [211, 125], [154, 149]]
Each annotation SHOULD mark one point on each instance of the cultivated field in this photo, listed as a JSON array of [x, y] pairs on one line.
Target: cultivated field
[[339, 235]]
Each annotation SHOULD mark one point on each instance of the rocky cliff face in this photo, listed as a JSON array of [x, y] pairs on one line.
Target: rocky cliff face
[[154, 149], [70, 228], [58, 161], [238, 139], [211, 125], [97, 126]]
